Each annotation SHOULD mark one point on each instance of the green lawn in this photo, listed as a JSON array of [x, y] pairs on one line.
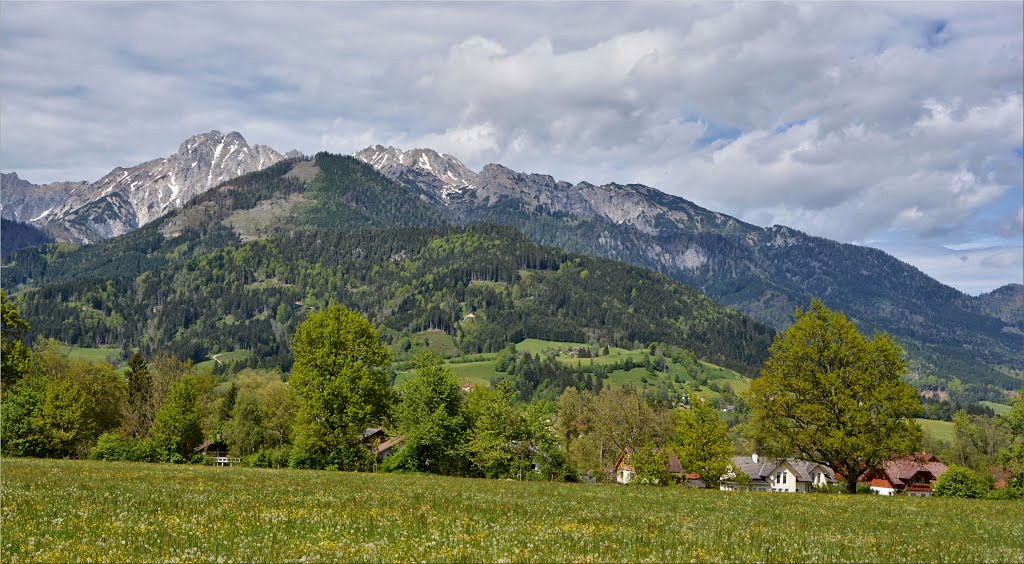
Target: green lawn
[[941, 430], [68, 511], [475, 373], [435, 340]]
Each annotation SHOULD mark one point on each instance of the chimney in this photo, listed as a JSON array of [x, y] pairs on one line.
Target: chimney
[[754, 457]]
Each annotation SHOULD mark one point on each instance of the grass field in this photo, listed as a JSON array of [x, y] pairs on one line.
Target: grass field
[[677, 377], [224, 357], [999, 408], [92, 354], [941, 430], [62, 510]]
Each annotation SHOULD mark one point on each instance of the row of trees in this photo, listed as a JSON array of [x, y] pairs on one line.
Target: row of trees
[[56, 407], [827, 394]]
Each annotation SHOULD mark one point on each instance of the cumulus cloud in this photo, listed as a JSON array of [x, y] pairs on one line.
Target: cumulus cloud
[[899, 123]]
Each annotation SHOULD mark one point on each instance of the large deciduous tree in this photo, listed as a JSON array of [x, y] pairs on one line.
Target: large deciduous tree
[[178, 426], [625, 420], [431, 420], [701, 442], [340, 387], [830, 395], [1012, 456]]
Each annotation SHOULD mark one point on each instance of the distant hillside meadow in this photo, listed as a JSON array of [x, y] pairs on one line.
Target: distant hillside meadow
[[64, 511]]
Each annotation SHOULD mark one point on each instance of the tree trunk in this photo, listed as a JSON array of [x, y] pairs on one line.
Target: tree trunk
[[851, 483]]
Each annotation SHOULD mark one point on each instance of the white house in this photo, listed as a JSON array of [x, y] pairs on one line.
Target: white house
[[791, 475]]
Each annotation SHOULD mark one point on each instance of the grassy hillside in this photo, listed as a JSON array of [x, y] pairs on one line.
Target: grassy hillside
[[61, 510], [999, 408], [941, 430]]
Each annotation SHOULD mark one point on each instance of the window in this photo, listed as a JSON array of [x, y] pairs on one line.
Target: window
[[784, 476]]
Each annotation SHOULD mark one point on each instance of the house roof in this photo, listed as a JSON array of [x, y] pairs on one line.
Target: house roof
[[763, 468], [389, 444], [900, 471]]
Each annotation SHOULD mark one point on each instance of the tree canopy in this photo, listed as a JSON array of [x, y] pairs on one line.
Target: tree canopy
[[340, 388], [14, 356], [430, 418], [701, 442], [830, 395]]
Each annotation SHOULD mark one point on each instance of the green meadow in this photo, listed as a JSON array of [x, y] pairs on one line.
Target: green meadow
[[940, 430], [71, 510]]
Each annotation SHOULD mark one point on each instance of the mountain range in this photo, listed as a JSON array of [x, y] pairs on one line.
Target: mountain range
[[128, 198], [239, 266], [764, 272]]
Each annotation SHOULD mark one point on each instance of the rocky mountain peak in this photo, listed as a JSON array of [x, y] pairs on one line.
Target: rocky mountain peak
[[441, 175], [127, 198]]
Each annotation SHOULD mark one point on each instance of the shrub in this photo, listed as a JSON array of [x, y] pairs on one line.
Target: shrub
[[1009, 492], [959, 481], [865, 489], [112, 446]]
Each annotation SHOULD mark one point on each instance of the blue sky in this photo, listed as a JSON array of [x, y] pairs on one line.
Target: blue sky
[[894, 125]]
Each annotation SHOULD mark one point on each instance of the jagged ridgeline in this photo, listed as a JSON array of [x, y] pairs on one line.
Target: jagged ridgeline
[[240, 265]]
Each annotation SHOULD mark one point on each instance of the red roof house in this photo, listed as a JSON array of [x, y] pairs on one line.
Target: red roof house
[[912, 474]]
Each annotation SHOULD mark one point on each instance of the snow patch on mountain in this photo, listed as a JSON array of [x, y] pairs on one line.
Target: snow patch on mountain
[[127, 198], [447, 177]]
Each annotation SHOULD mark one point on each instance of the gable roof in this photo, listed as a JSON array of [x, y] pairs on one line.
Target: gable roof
[[901, 470], [388, 444], [763, 468]]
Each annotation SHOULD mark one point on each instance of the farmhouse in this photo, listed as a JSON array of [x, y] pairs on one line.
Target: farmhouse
[[378, 441], [389, 447], [912, 474], [791, 475]]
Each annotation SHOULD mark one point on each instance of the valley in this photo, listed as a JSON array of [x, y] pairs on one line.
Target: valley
[[764, 273]]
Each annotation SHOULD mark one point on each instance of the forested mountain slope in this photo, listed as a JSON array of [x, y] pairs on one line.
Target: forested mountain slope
[[240, 265], [16, 235], [764, 272]]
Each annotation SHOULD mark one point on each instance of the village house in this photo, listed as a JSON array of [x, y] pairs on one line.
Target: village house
[[625, 472], [373, 435], [378, 441], [791, 475], [389, 447], [912, 474]]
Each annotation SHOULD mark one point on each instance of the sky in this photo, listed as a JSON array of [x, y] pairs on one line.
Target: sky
[[898, 126]]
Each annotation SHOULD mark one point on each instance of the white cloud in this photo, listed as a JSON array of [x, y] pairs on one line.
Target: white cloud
[[897, 122]]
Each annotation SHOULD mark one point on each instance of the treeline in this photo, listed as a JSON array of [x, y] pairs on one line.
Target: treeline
[[330, 413], [163, 411]]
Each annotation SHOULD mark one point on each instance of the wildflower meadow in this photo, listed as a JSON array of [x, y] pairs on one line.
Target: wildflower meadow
[[70, 510]]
